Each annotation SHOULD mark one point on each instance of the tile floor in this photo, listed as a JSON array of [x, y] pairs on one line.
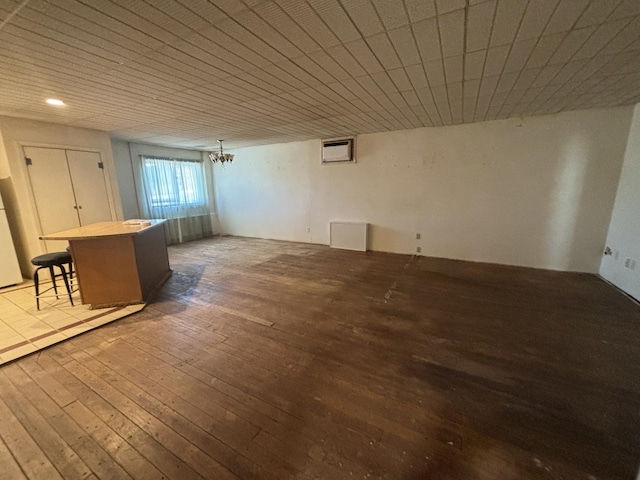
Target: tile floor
[[24, 329]]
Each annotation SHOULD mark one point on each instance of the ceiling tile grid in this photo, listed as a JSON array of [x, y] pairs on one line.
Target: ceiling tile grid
[[186, 72]]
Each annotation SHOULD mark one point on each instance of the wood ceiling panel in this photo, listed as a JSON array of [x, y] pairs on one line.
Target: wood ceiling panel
[[419, 10], [251, 40], [405, 45], [46, 44], [365, 17], [335, 16], [384, 51], [273, 36], [257, 70], [309, 21], [391, 14], [365, 57], [329, 65], [479, 23], [451, 28], [566, 15], [279, 19]]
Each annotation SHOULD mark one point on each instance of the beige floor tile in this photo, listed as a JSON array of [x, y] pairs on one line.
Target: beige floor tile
[[36, 332], [6, 329], [19, 352], [10, 311], [73, 331], [8, 341], [57, 324], [20, 297], [21, 321], [55, 316], [86, 314], [105, 319], [7, 336], [134, 308], [50, 340], [26, 322]]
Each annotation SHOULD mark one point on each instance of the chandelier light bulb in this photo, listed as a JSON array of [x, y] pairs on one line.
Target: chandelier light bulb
[[220, 156]]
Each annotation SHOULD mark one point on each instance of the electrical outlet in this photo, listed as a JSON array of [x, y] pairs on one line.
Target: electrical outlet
[[630, 263], [418, 236], [418, 249], [307, 229]]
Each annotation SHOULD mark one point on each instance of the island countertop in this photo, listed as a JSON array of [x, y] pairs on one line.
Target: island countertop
[[102, 229], [117, 263]]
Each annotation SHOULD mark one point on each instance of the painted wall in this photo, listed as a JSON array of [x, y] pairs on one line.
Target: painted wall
[[126, 182], [21, 211], [266, 191], [624, 231], [535, 192], [126, 155]]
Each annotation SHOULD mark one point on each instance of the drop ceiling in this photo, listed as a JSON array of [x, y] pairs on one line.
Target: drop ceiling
[[187, 72]]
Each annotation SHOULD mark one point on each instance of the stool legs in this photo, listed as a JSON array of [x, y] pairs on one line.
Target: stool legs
[[36, 282], [53, 280], [66, 283]]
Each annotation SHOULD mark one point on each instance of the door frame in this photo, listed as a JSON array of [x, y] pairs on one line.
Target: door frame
[[25, 171]]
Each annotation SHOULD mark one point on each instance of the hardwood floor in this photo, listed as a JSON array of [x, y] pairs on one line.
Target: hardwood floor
[[277, 360]]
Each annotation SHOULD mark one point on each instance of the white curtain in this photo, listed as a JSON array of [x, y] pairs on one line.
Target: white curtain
[[176, 190]]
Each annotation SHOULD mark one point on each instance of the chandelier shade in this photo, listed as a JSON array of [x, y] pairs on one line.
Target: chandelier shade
[[220, 156]]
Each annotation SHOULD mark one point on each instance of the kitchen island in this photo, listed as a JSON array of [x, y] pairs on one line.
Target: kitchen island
[[117, 263]]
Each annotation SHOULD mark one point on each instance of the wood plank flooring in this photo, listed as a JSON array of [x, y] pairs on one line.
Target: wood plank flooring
[[276, 360]]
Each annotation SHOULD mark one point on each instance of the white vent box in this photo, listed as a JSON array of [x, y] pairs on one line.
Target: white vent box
[[340, 150], [349, 235]]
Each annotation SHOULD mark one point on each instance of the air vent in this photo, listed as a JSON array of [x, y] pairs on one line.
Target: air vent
[[338, 150]]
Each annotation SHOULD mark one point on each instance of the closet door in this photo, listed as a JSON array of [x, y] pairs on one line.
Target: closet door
[[89, 186], [70, 190], [52, 191]]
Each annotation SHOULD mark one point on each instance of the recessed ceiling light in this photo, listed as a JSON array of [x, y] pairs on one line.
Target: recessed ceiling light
[[55, 101]]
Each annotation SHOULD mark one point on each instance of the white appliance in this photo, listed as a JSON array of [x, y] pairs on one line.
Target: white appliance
[[9, 268]]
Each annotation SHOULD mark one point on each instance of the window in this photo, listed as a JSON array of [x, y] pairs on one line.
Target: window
[[173, 188], [174, 183]]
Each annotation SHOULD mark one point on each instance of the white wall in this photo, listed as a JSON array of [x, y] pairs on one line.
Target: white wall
[[534, 192], [265, 192], [125, 155], [21, 211], [624, 231], [126, 182]]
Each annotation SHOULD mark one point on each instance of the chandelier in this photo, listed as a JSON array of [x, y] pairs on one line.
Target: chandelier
[[220, 156]]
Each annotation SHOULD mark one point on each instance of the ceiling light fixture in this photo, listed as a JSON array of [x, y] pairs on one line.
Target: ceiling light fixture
[[220, 156], [55, 101]]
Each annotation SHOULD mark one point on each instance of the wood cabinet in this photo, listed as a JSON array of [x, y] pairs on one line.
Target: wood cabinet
[[118, 264], [69, 189]]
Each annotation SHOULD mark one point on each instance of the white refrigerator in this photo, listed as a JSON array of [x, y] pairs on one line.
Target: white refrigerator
[[9, 268]]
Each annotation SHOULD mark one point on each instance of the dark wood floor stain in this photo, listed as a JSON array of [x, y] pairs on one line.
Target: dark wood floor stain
[[275, 360]]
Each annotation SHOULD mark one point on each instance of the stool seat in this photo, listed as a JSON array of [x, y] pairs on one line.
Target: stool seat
[[51, 259], [48, 261]]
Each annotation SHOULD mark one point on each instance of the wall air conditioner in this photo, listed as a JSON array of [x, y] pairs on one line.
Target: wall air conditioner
[[338, 150]]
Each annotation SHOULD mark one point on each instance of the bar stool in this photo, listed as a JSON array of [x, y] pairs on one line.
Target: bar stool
[[50, 260]]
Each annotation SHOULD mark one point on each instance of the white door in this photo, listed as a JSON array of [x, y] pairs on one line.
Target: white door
[[89, 186], [53, 192], [69, 188]]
